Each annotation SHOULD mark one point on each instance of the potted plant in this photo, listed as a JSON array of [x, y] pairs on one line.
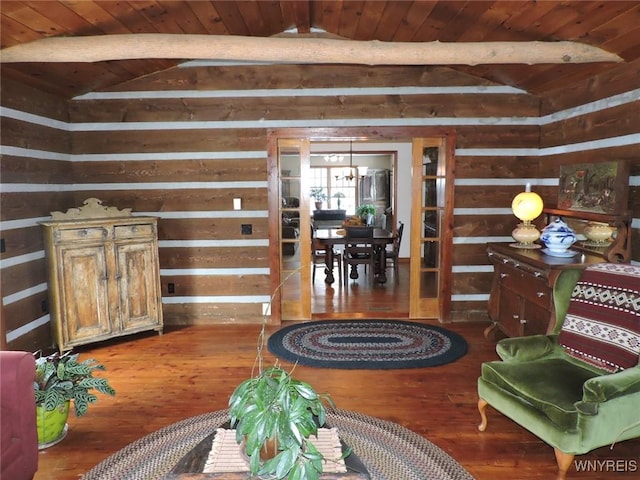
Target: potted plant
[[59, 379], [319, 196], [274, 416], [366, 212]]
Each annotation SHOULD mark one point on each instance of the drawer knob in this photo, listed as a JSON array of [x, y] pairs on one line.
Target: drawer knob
[[504, 275], [537, 274], [523, 321], [505, 260], [540, 294]]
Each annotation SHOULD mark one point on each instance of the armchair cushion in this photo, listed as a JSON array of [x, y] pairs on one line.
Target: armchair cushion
[[602, 325], [550, 385]]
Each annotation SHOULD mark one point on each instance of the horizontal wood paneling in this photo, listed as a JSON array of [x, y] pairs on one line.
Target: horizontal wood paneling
[[470, 283], [216, 285], [484, 225], [549, 166], [34, 170], [158, 141], [17, 133], [30, 307], [177, 200], [471, 254], [16, 206], [17, 95], [220, 257], [211, 229], [495, 196], [612, 122], [32, 341], [234, 170], [469, 166], [23, 276], [208, 313], [497, 136], [318, 107], [618, 80], [20, 241]]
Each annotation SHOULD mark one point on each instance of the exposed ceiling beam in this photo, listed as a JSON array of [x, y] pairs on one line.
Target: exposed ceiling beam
[[299, 50]]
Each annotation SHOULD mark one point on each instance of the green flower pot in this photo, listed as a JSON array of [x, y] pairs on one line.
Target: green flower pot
[[52, 425]]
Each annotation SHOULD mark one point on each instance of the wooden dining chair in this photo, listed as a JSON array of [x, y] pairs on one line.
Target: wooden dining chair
[[319, 257], [393, 253], [359, 249]]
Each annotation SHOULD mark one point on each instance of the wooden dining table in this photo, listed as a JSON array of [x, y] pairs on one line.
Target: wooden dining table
[[336, 236]]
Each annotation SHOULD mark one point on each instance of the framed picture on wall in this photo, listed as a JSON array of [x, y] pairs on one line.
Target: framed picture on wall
[[594, 187]]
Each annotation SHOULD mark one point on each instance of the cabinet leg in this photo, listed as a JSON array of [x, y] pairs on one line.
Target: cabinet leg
[[482, 408], [490, 333]]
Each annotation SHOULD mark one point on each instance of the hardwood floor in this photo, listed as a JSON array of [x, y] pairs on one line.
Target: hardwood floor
[[361, 297], [192, 370]]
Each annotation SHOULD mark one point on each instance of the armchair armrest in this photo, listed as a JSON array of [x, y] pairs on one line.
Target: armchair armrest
[[605, 387], [523, 349]]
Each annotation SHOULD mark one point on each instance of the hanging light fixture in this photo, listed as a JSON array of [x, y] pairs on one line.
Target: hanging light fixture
[[361, 171]]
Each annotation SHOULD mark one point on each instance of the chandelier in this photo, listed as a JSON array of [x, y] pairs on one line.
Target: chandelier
[[333, 158]]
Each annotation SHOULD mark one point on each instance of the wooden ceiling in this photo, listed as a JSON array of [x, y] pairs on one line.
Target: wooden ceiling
[[613, 26]]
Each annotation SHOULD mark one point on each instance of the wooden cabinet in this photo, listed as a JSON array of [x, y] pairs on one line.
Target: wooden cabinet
[[104, 278], [521, 300]]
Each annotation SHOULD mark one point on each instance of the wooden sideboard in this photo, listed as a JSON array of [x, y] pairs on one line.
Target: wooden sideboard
[[521, 300], [104, 277]]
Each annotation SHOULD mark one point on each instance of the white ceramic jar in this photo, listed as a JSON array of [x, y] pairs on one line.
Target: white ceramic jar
[[598, 232]]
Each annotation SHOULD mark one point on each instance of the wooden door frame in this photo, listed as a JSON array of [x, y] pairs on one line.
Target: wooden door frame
[[336, 134]]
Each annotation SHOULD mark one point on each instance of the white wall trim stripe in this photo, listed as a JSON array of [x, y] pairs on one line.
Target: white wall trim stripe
[[21, 295], [195, 272], [31, 153], [213, 243], [81, 187], [168, 156], [477, 240], [211, 214], [21, 223], [300, 92], [20, 259], [592, 107], [472, 268], [217, 299], [24, 329], [33, 118], [479, 297]]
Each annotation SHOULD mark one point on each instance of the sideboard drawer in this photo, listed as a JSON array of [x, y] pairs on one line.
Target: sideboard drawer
[[528, 286], [133, 231], [89, 234]]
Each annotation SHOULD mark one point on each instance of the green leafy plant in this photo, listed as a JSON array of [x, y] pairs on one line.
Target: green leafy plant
[[318, 194], [60, 378], [272, 406], [365, 209]]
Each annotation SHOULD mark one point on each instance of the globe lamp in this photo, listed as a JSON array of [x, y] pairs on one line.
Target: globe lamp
[[526, 206]]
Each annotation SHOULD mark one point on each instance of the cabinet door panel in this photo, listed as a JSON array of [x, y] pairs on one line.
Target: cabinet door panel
[[84, 293], [137, 285], [536, 319], [510, 313]]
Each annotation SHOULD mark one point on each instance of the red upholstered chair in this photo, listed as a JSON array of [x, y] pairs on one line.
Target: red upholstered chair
[[19, 438]]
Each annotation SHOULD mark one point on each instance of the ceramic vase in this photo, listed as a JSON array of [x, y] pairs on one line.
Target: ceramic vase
[[558, 236], [598, 233]]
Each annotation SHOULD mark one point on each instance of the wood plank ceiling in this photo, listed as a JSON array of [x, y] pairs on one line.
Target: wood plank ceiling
[[611, 25]]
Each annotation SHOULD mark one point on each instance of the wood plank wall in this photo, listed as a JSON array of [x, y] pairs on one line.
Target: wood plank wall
[[184, 157]]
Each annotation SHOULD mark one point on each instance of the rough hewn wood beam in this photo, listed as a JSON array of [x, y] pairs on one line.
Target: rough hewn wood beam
[[299, 50]]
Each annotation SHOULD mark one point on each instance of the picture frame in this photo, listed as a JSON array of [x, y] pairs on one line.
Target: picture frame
[[599, 187]]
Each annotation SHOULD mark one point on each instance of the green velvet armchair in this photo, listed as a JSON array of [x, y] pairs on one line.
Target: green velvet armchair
[[578, 388]]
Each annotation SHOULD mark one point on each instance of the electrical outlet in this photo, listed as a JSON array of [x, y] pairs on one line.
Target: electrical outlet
[[246, 229], [171, 287], [3, 246], [44, 306]]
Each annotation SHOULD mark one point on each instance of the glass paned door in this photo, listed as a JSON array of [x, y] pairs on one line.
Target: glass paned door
[[295, 231], [430, 295]]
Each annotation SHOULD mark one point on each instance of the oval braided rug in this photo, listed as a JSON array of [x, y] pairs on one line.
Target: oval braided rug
[[388, 450], [367, 344]]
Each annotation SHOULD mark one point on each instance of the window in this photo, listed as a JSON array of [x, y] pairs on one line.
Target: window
[[338, 189]]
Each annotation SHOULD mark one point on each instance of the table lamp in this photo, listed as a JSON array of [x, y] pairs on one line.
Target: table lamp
[[526, 206]]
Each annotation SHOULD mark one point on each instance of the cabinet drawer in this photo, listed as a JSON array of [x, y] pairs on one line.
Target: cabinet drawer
[[526, 285], [83, 234], [133, 231]]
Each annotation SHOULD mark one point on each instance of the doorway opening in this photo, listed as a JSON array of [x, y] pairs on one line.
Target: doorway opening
[[416, 195]]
